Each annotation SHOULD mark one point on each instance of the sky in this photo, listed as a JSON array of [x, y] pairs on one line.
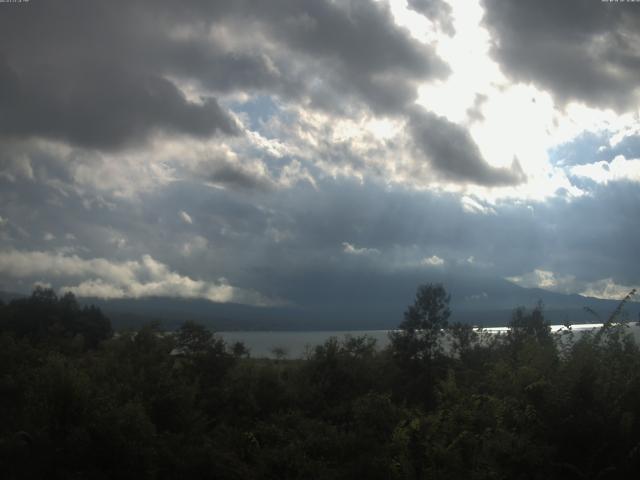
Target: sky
[[238, 151]]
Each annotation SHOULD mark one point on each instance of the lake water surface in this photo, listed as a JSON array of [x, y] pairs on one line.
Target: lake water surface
[[295, 344]]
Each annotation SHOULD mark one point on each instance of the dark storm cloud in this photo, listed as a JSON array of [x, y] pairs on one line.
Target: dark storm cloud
[[592, 237], [289, 243], [579, 50], [230, 175], [404, 226], [567, 237], [329, 51], [234, 175], [437, 11], [79, 73], [102, 75], [98, 74], [370, 56], [453, 153], [100, 107]]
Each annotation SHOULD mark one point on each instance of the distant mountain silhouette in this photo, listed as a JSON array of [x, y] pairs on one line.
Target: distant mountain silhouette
[[6, 297], [349, 301], [343, 304]]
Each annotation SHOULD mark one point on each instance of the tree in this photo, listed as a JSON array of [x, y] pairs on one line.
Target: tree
[[279, 352], [417, 345], [532, 325], [462, 338], [195, 339], [204, 358], [57, 320], [240, 350], [424, 322]]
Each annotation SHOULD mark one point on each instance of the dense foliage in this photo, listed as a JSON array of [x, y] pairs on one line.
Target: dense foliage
[[442, 401]]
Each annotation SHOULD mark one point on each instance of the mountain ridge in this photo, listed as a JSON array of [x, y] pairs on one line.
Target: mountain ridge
[[492, 306]]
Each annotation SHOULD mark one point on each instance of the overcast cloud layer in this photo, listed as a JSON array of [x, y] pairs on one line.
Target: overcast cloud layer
[[240, 151], [575, 48]]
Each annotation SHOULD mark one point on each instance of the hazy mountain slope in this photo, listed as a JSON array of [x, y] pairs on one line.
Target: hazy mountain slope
[[345, 305], [356, 301]]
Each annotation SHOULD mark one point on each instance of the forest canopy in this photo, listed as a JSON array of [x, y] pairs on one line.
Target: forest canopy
[[441, 401]]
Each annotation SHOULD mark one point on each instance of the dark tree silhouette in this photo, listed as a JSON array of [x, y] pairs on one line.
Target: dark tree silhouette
[[417, 345], [424, 322], [532, 324], [155, 405], [46, 317]]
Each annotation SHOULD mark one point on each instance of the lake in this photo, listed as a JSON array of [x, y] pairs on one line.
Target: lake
[[295, 344]]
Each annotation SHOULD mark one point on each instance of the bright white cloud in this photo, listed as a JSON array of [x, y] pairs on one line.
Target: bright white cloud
[[607, 288], [433, 261], [545, 279], [467, 54], [604, 172], [351, 249], [509, 120], [99, 277], [186, 218]]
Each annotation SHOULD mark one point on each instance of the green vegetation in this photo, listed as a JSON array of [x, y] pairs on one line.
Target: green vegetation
[[78, 402]]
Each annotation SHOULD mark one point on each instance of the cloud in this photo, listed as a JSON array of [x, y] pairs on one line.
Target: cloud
[[145, 75], [142, 67], [438, 11], [242, 171], [353, 49], [603, 172], [248, 176], [579, 51], [13, 167], [102, 278], [454, 155], [546, 280], [474, 113], [260, 241], [250, 236], [433, 261], [350, 249], [473, 205], [477, 296], [169, 131], [185, 217], [98, 106], [605, 288], [195, 245]]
